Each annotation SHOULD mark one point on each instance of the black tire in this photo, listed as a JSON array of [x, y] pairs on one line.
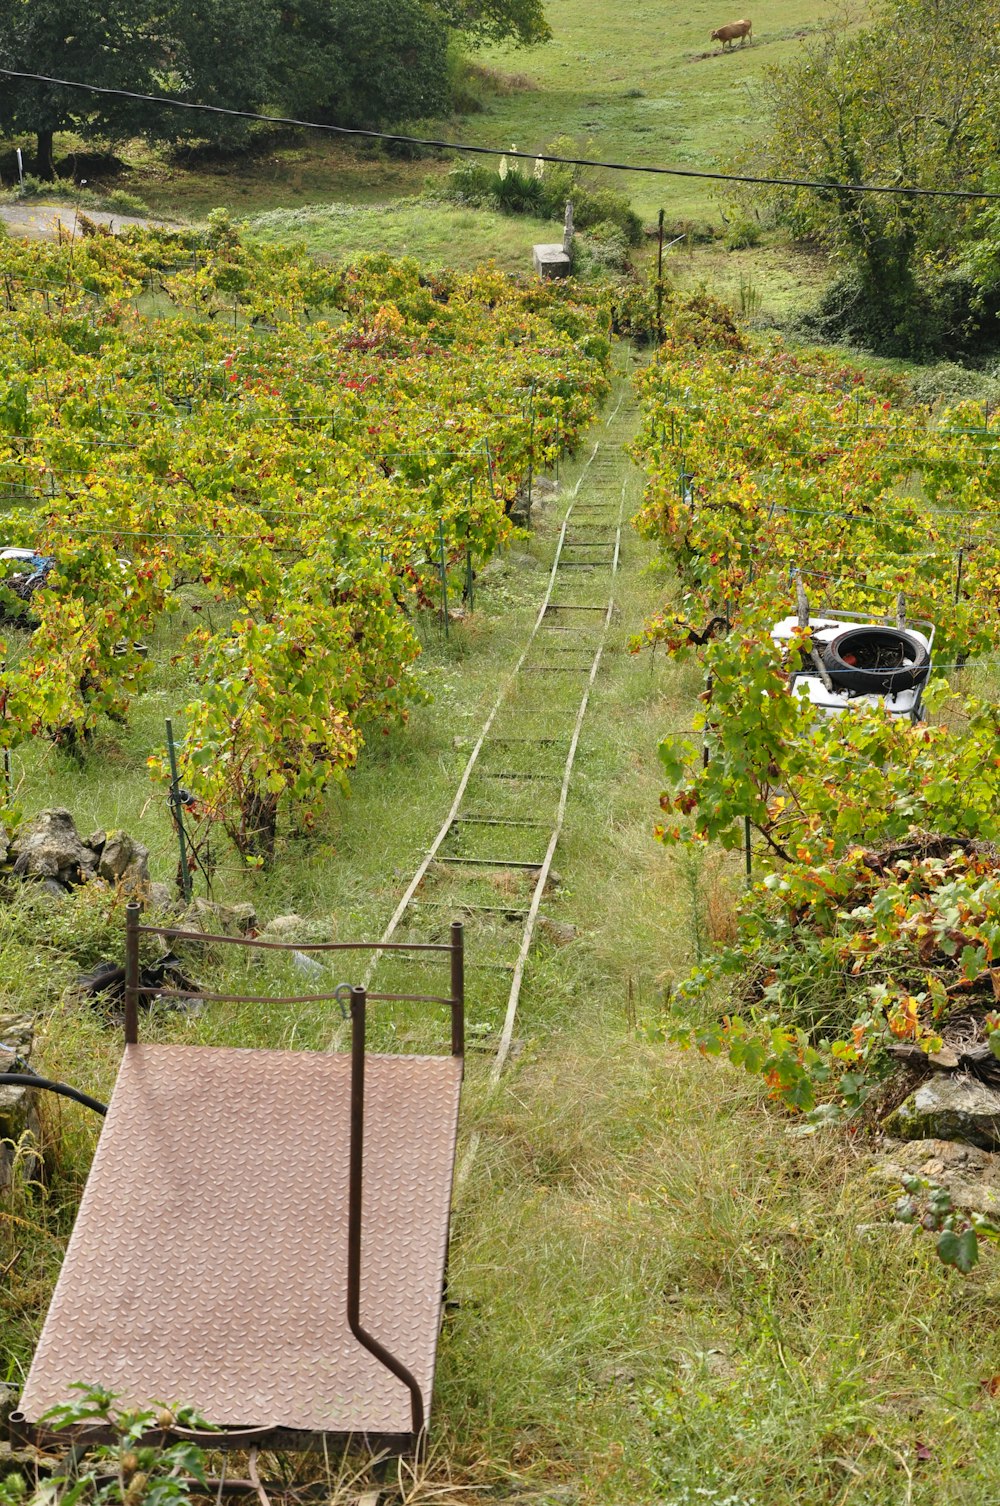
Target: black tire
[[876, 660]]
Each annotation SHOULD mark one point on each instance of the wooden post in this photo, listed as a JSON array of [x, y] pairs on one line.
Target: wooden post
[[659, 280]]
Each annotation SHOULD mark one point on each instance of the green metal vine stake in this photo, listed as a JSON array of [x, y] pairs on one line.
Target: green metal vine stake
[[177, 807], [659, 280], [470, 575]]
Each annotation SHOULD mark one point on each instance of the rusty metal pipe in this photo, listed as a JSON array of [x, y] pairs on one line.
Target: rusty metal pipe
[[355, 1189], [131, 973], [172, 933], [457, 988]]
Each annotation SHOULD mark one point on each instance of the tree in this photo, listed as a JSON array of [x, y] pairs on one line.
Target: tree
[[112, 43], [338, 61], [520, 21], [363, 65], [218, 52], [909, 100]]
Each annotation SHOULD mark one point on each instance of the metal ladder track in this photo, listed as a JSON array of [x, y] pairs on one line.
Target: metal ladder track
[[588, 622]]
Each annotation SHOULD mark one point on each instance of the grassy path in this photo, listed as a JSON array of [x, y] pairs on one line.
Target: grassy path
[[664, 1296]]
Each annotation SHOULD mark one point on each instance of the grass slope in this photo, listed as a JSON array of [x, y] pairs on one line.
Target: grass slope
[[644, 85], [438, 235], [647, 85], [663, 1297]]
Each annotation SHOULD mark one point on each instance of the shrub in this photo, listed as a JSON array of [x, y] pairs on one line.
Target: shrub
[[948, 382], [603, 249], [943, 315], [742, 232], [606, 206], [123, 202], [519, 190], [522, 193]]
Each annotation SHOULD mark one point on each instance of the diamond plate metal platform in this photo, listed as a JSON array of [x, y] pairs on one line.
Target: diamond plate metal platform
[[263, 1236], [208, 1262]]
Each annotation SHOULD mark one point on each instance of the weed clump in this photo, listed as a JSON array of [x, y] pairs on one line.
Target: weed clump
[[543, 192]]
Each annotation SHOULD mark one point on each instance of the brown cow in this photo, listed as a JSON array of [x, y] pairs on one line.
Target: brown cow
[[728, 34]]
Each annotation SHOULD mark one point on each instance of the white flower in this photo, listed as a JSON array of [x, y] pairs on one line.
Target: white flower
[[539, 168], [502, 169]]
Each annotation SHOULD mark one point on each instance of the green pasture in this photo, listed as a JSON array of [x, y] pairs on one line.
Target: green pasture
[[643, 85], [436, 234]]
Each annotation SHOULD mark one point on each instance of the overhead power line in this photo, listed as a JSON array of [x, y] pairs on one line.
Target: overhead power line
[[496, 151]]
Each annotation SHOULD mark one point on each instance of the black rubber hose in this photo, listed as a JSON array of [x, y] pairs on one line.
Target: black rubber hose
[[29, 1080]]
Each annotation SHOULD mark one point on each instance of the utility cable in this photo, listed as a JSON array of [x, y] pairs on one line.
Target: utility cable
[[495, 151]]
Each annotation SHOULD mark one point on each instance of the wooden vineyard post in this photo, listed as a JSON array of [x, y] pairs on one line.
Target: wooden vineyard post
[[443, 567], [470, 574], [659, 280]]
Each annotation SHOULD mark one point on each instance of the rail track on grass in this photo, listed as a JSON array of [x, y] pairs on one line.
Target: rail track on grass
[[491, 860]]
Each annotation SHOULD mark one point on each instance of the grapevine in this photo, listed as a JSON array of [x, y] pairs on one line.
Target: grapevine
[[309, 448], [872, 928]]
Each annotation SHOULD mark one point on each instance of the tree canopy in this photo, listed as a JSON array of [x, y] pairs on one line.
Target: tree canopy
[[112, 43], [337, 61], [910, 99]]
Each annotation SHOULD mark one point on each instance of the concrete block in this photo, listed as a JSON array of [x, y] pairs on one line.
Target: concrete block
[[551, 261]]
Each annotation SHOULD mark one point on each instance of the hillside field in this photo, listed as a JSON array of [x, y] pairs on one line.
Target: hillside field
[[647, 86], [453, 594]]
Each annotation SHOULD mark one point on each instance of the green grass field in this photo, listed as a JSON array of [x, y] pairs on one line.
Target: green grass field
[[437, 234], [646, 86]]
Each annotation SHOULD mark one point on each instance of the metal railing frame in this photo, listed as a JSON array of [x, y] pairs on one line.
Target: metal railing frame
[[455, 948]]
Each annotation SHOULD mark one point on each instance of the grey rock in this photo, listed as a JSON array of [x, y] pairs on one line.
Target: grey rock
[[53, 888], [18, 1106], [4, 843], [949, 1107], [220, 920], [48, 846], [290, 927], [16, 1031], [123, 860], [15, 1461], [160, 899], [714, 1362], [8, 1401], [971, 1175], [294, 927], [96, 841], [559, 932]]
